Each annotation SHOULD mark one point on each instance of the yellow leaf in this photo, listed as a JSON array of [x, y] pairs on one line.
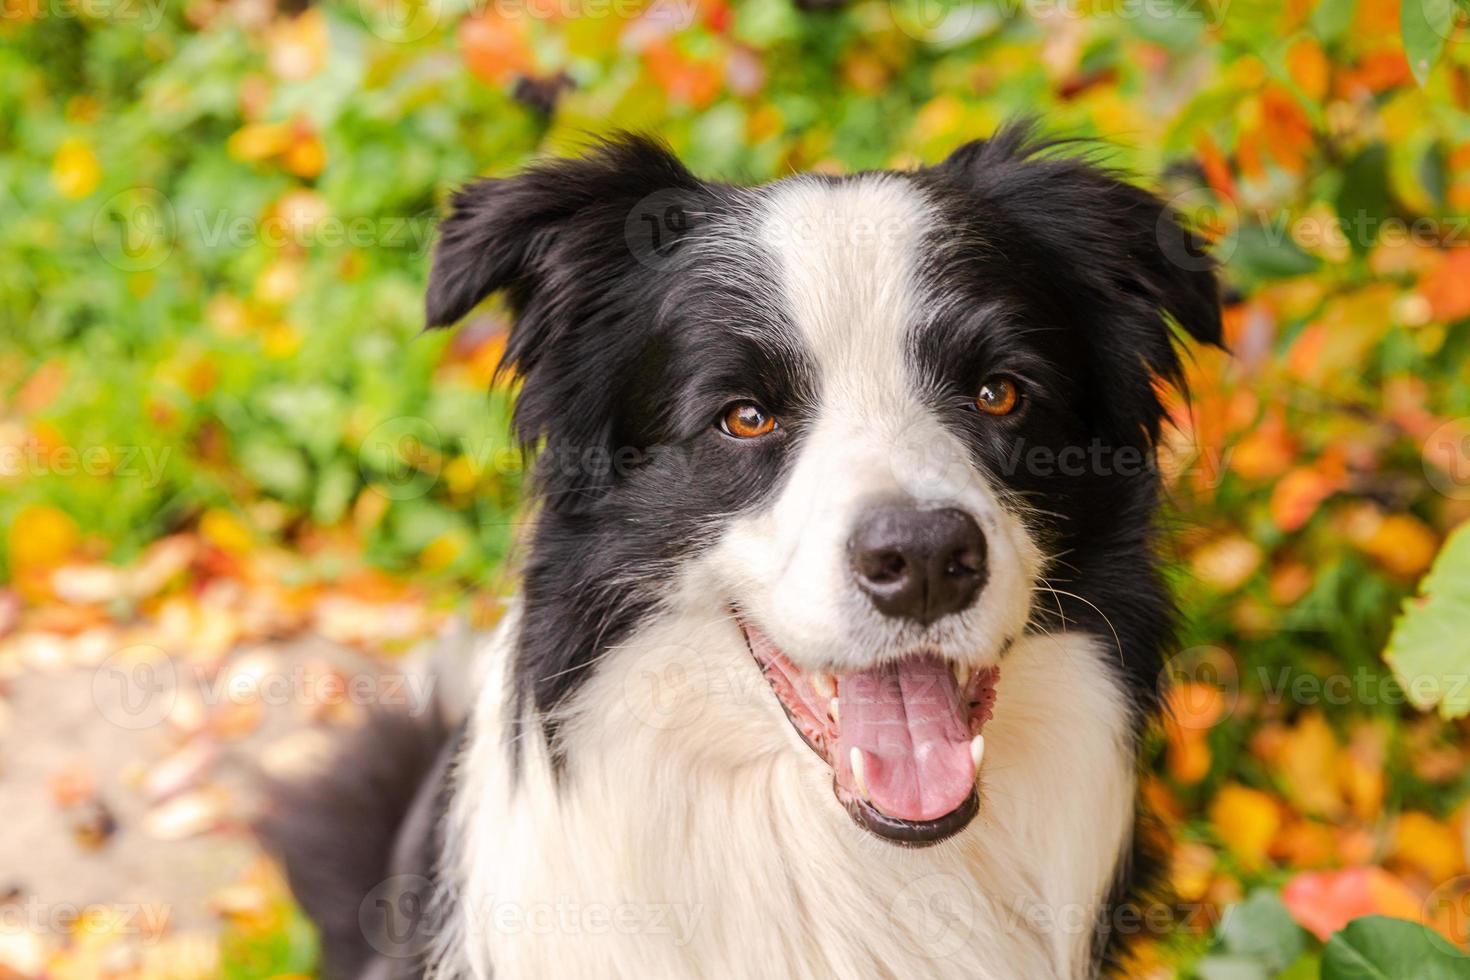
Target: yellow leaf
[[223, 530], [1247, 821], [1307, 759], [1191, 870], [1362, 773], [41, 537], [258, 141], [442, 552], [1401, 543], [1429, 845], [281, 340], [75, 170]]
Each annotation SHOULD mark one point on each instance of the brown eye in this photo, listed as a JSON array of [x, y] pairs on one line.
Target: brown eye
[[746, 420], [998, 396]]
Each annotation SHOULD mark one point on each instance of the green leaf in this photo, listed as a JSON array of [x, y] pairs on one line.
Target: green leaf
[[1332, 18], [1426, 24], [1363, 202], [1261, 928], [1379, 948], [1217, 967], [1257, 252], [278, 469], [1429, 649]]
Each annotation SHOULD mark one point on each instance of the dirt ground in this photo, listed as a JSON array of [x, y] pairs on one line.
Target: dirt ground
[[127, 782]]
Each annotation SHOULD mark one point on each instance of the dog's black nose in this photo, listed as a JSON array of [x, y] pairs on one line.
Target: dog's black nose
[[918, 564]]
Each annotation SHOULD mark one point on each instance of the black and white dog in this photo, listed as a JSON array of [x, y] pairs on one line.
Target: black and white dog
[[841, 618]]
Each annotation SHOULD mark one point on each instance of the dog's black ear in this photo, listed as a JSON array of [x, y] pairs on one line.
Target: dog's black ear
[[1132, 261], [510, 233]]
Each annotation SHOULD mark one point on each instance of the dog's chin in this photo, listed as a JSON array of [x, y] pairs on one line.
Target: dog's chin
[[903, 738]]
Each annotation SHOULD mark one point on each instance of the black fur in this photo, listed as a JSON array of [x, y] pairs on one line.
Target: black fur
[[341, 839]]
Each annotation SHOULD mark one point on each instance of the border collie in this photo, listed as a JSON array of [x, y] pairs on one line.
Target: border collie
[[841, 617]]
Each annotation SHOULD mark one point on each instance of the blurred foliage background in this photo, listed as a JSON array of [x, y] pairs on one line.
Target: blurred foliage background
[[215, 219]]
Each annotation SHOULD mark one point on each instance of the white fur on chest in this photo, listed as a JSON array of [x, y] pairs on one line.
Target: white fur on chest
[[692, 835]]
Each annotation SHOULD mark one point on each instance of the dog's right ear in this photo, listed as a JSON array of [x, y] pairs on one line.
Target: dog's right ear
[[511, 233]]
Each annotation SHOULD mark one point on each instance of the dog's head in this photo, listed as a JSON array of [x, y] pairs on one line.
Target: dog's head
[[880, 419]]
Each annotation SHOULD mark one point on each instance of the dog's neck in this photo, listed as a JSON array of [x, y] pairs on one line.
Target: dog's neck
[[688, 825]]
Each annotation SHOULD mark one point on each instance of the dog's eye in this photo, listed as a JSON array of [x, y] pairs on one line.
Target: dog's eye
[[746, 420], [998, 396]]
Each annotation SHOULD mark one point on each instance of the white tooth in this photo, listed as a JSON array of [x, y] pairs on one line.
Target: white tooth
[[977, 750], [856, 758], [962, 674], [824, 685], [833, 712]]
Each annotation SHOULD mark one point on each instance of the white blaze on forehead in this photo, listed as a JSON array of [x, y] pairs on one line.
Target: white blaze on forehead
[[845, 254], [846, 260]]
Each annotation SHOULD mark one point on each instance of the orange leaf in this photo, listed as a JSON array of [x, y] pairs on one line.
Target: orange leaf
[[1287, 131], [1216, 168], [1296, 498], [1448, 287], [496, 49], [1325, 901], [1308, 66], [1188, 755], [1305, 844], [1266, 451]]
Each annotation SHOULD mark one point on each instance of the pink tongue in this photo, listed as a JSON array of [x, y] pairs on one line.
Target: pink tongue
[[909, 722]]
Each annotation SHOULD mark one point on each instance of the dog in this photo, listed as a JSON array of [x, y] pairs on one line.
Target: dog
[[841, 617]]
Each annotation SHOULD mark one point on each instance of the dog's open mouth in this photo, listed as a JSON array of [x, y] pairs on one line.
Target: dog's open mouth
[[903, 738]]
